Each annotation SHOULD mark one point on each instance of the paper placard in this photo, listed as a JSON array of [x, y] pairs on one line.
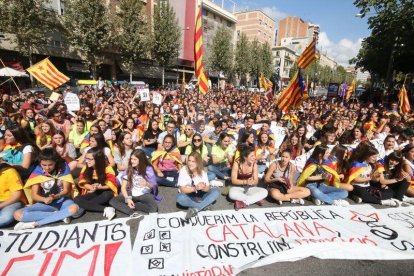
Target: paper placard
[[156, 98], [144, 94], [54, 97], [72, 102]]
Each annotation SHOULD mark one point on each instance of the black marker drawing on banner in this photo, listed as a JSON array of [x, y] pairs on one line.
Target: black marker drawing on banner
[[251, 218], [165, 235], [149, 235], [156, 263], [165, 247], [146, 249], [407, 218]]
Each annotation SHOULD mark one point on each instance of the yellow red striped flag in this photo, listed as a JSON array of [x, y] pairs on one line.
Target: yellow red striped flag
[[45, 72], [265, 83], [198, 53], [291, 96], [308, 56], [350, 90], [403, 99]]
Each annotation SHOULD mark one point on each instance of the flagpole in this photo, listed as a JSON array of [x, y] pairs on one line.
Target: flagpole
[[405, 78], [11, 78]]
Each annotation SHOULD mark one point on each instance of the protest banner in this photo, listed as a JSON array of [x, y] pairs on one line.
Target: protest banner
[[94, 248], [72, 101], [279, 134], [157, 98], [227, 242]]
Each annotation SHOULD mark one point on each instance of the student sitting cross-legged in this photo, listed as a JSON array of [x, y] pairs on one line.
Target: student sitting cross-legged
[[193, 186]]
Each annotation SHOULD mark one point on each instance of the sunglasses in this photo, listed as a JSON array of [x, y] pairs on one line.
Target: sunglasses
[[189, 129], [197, 140]]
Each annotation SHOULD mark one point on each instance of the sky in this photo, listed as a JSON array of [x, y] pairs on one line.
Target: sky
[[341, 32]]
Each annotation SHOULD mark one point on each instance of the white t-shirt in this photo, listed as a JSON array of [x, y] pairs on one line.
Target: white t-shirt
[[27, 149], [137, 189], [367, 172], [184, 179]]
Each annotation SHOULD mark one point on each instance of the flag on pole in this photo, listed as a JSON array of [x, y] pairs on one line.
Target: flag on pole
[[308, 56], [292, 95], [343, 90], [183, 83], [305, 89], [350, 90], [403, 99], [198, 51], [45, 72], [265, 83]]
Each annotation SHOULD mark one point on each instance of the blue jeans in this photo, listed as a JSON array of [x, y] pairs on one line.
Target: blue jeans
[[163, 181], [148, 151], [43, 214], [189, 200], [219, 171], [6, 214], [326, 193]]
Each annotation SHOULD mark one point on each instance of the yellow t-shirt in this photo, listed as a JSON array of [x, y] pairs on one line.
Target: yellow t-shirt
[[10, 182]]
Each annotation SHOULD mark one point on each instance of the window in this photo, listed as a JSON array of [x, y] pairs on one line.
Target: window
[[229, 24], [205, 12]]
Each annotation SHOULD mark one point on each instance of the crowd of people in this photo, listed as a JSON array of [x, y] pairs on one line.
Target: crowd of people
[[112, 154]]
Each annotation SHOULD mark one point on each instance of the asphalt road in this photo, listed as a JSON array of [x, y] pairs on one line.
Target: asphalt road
[[308, 266]]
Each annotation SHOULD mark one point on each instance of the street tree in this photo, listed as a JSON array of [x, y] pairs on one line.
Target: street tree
[[242, 58], [132, 31], [166, 36], [221, 56], [29, 23], [267, 60], [256, 64], [88, 29], [391, 43]]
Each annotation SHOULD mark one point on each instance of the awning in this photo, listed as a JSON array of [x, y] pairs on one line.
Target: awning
[[146, 71]]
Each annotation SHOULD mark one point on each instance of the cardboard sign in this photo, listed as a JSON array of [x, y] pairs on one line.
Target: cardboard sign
[[54, 96], [72, 102]]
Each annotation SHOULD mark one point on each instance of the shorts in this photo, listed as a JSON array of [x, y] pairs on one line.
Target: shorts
[[278, 185]]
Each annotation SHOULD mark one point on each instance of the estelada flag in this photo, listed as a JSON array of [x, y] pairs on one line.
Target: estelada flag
[[38, 176], [45, 72], [356, 169]]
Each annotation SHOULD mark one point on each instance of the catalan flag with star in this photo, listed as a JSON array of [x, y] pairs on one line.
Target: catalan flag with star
[[46, 73], [198, 53], [38, 176]]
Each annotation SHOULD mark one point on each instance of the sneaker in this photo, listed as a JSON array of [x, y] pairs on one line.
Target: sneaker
[[79, 213], [136, 215], [299, 201], [25, 225], [279, 202], [316, 201], [390, 202], [109, 213], [239, 205], [340, 202], [260, 203], [67, 220], [357, 199], [409, 200], [191, 212]]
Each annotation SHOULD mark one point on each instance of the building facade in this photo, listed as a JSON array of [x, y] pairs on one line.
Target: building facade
[[325, 60], [291, 26], [256, 24], [284, 59]]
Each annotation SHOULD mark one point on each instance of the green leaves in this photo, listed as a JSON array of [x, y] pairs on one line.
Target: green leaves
[[221, 56]]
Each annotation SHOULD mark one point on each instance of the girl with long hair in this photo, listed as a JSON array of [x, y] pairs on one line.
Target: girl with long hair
[[222, 155], [94, 129], [244, 178], [44, 135], [265, 151], [98, 140], [280, 180], [194, 188], [139, 187], [294, 145], [167, 162], [314, 176], [150, 138], [197, 145], [362, 172], [65, 150], [50, 184], [97, 183]]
